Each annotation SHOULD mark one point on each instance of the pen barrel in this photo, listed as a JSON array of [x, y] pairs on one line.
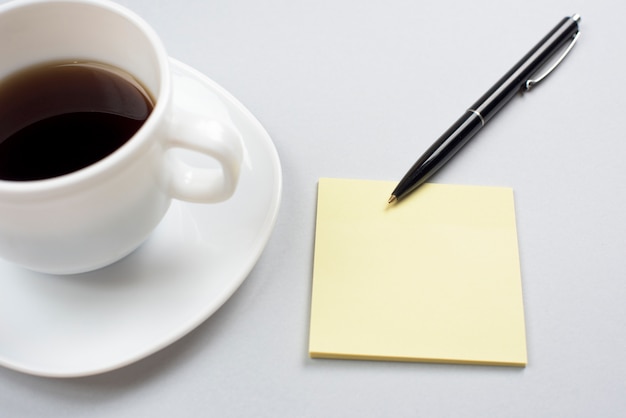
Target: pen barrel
[[513, 81], [440, 152]]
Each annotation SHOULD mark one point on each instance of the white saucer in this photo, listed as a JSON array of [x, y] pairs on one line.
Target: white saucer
[[65, 326]]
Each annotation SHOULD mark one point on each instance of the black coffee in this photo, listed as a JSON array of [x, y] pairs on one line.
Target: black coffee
[[61, 117]]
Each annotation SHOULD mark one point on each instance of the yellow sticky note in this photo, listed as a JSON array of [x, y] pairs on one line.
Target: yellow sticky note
[[433, 278]]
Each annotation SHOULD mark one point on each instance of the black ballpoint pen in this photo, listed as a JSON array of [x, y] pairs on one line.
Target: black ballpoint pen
[[517, 79]]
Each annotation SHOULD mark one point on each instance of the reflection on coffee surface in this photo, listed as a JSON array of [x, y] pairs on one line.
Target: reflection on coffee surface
[[60, 117]]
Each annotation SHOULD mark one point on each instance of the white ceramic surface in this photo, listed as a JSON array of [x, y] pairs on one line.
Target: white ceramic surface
[[92, 217], [85, 324]]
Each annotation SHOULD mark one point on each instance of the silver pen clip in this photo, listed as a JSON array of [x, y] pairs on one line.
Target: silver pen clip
[[533, 82]]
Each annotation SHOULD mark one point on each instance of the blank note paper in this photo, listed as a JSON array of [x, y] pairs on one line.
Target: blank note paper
[[433, 278]]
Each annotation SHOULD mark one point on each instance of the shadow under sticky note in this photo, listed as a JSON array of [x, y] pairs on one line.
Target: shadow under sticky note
[[433, 278]]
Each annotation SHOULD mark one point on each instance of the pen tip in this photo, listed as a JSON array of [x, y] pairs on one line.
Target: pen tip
[[392, 199]]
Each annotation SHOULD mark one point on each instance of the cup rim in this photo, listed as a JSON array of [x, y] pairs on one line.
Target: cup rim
[[135, 144]]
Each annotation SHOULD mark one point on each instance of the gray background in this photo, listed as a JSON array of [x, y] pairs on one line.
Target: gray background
[[358, 89]]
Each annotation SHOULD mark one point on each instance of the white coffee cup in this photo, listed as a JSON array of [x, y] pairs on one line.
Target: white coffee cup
[[95, 216]]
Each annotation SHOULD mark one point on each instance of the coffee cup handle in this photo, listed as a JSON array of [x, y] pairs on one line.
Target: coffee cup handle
[[212, 138]]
